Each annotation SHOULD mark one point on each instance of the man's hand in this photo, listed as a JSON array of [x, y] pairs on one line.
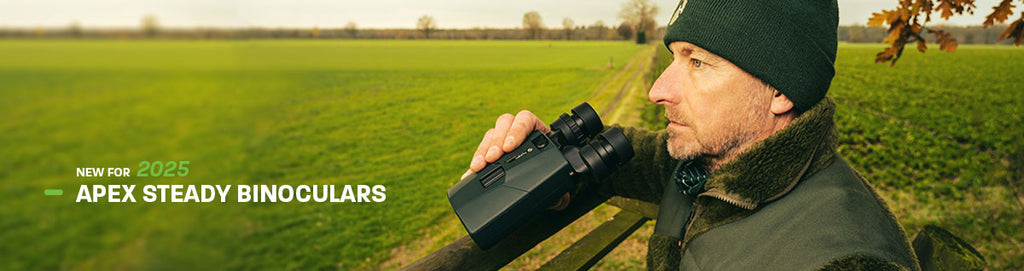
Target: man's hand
[[508, 132]]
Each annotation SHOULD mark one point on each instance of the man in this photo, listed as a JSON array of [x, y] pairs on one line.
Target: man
[[747, 163]]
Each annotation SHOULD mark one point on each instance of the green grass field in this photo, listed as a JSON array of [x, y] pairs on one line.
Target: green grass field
[[405, 114], [938, 135]]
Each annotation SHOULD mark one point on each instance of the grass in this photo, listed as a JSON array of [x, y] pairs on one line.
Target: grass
[[404, 114], [939, 135], [305, 55]]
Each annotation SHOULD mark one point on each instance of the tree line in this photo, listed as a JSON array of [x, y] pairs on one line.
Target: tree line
[[596, 31], [590, 32], [637, 22], [976, 34]]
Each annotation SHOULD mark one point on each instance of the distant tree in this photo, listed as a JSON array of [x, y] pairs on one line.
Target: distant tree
[[567, 25], [532, 24], [642, 37], [640, 14], [427, 25], [599, 29], [351, 29], [315, 32], [150, 26], [485, 33], [75, 29], [855, 33], [907, 24], [625, 31]]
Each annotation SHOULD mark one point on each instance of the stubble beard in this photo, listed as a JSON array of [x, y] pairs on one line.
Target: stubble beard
[[679, 147], [688, 150], [720, 143], [704, 145]]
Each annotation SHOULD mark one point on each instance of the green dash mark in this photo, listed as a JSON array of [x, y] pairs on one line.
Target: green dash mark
[[54, 192]]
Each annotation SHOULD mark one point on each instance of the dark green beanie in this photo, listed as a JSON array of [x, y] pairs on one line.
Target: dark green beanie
[[788, 44]]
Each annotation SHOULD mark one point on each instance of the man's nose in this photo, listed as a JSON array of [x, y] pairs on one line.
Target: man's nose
[[665, 89]]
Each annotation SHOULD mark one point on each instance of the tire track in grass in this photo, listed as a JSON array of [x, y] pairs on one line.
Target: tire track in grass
[[621, 97]]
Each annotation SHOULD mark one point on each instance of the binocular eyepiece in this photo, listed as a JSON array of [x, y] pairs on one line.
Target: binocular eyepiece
[[582, 124], [493, 202]]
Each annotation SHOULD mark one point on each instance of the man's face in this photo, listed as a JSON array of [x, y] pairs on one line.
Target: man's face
[[715, 108]]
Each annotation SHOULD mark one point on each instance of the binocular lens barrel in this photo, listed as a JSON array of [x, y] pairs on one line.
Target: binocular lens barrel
[[608, 150], [576, 128]]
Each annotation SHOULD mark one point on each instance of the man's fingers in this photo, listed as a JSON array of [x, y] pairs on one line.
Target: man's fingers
[[539, 125], [477, 164], [501, 127], [509, 131], [524, 123]]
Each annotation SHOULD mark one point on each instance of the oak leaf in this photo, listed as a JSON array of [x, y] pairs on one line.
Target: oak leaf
[[1015, 31]]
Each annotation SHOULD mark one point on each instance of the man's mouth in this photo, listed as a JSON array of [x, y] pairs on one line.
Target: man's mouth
[[671, 122]]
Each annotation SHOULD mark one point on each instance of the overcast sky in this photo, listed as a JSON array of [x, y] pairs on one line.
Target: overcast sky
[[365, 13]]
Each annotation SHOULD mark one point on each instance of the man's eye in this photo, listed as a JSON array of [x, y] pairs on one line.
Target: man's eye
[[697, 63]]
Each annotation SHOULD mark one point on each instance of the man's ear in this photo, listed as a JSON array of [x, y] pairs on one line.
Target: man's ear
[[780, 103]]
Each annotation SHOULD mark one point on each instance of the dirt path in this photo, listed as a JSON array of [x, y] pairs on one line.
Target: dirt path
[[638, 69], [620, 98]]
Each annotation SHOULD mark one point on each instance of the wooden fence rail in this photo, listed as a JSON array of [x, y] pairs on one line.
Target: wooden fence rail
[[464, 254]]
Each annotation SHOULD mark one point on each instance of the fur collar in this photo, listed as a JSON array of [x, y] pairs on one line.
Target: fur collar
[[772, 167]]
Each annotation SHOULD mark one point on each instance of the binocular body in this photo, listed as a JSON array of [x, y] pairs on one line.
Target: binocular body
[[491, 202]]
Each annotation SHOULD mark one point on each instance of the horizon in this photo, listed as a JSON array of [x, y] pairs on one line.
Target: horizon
[[382, 14]]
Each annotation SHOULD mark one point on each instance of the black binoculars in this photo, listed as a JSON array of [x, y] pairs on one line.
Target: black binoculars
[[495, 201]]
